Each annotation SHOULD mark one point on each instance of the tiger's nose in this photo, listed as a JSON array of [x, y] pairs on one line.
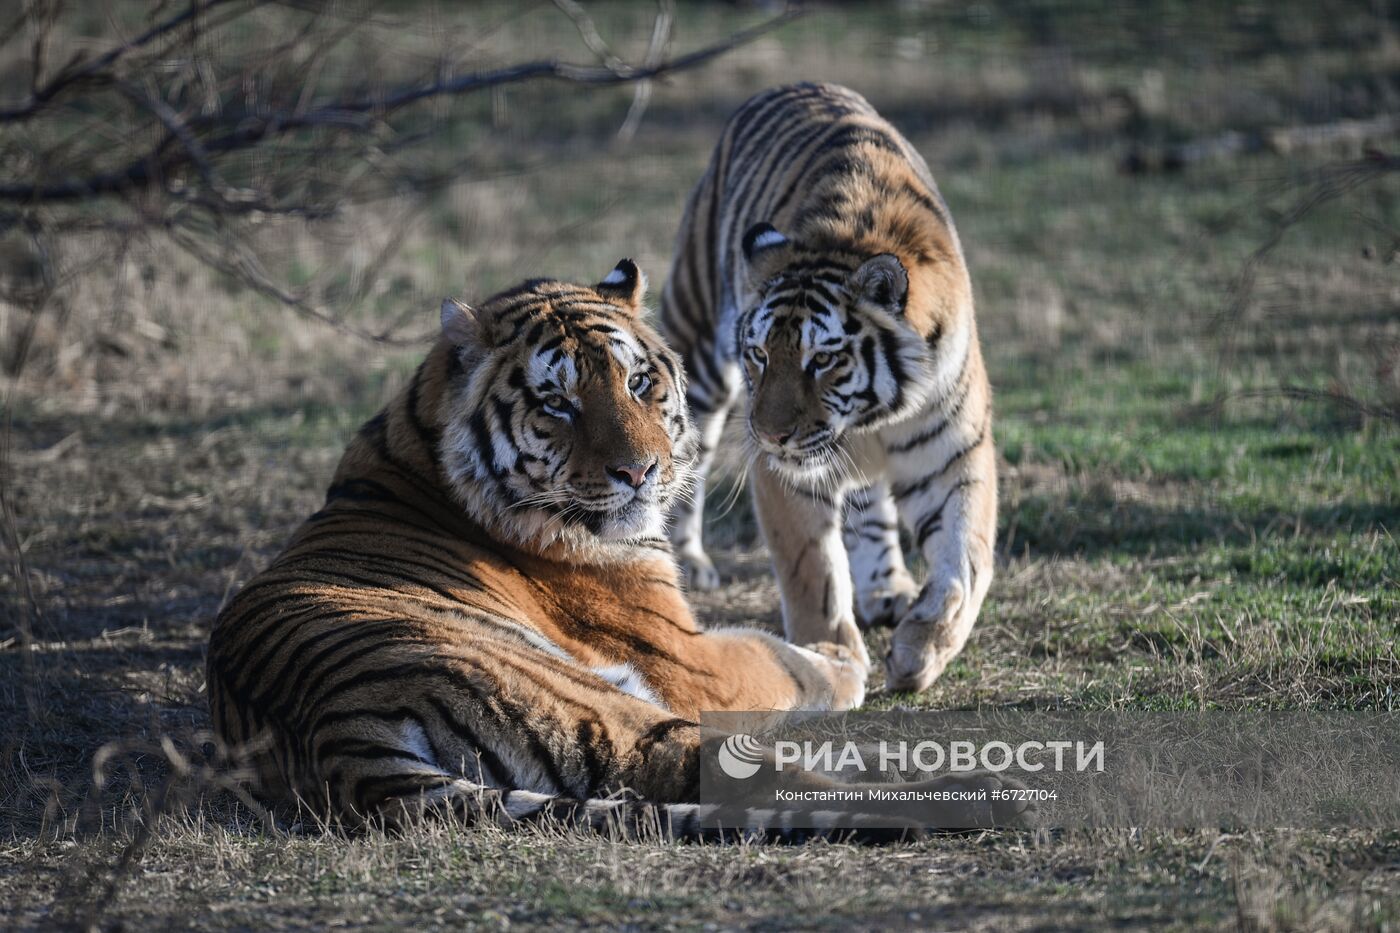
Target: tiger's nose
[[633, 474], [777, 438]]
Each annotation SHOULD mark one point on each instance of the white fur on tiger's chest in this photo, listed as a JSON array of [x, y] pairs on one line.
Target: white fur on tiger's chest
[[867, 455]]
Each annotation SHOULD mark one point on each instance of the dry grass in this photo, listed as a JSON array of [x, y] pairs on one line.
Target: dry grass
[[171, 428]]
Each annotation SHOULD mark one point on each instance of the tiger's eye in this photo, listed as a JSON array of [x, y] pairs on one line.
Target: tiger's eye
[[822, 360], [639, 383], [557, 404], [757, 355]]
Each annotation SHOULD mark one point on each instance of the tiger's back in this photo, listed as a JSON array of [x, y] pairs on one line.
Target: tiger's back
[[818, 162]]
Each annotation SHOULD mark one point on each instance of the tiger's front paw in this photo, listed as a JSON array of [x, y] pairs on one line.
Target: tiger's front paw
[[846, 672], [697, 569], [980, 800], [912, 668], [925, 641]]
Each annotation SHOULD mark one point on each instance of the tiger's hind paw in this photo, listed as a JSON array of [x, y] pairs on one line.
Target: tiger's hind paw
[[884, 607], [697, 569]]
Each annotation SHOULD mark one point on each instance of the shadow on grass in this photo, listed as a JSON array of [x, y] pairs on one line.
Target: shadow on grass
[[1095, 523], [84, 696]]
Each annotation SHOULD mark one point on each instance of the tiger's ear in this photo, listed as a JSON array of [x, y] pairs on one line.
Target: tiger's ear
[[882, 281], [462, 325], [766, 251], [626, 285]]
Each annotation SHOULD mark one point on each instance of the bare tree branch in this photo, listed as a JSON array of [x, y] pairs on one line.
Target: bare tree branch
[[184, 132], [358, 113], [656, 48]]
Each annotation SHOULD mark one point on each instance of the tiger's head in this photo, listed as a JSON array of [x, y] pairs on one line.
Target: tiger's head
[[826, 350], [564, 414]]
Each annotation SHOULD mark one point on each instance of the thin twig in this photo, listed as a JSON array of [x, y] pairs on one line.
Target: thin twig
[[1302, 394], [177, 129], [641, 95], [245, 267], [588, 32], [79, 73], [1329, 184]]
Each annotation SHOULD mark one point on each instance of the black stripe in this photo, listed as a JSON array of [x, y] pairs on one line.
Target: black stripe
[[934, 521], [659, 732], [370, 793], [384, 532], [356, 747], [299, 701], [907, 489], [360, 489], [939, 211], [648, 611], [889, 344], [706, 374], [933, 432], [779, 155], [847, 138], [595, 746], [291, 626], [495, 770], [485, 446], [755, 126], [428, 436], [382, 519], [396, 582]]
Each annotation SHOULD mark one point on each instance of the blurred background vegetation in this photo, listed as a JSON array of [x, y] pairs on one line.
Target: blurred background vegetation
[[1181, 219]]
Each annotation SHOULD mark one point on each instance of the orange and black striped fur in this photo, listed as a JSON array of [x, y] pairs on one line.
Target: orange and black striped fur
[[484, 618], [818, 265]]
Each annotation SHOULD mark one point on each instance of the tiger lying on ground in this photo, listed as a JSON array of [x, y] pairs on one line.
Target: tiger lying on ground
[[818, 264], [484, 619]]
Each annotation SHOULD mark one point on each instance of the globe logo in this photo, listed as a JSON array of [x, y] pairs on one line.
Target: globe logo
[[740, 756]]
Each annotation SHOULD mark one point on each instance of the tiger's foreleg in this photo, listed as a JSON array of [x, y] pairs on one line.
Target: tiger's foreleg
[[883, 587], [767, 673], [687, 526], [803, 529], [711, 393], [952, 514]]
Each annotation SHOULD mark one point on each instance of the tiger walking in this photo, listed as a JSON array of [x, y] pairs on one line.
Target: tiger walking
[[818, 266], [484, 619]]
